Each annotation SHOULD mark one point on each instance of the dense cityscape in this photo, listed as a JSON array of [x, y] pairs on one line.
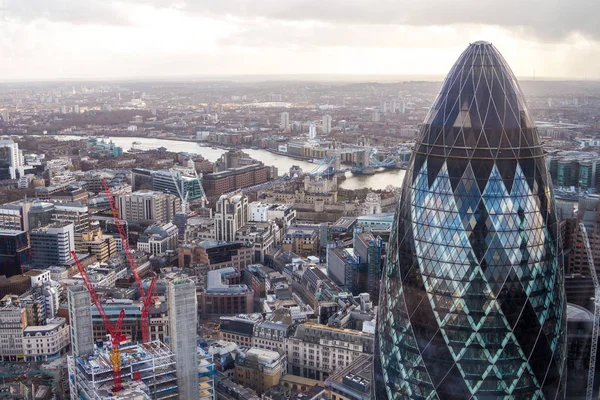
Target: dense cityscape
[[253, 240]]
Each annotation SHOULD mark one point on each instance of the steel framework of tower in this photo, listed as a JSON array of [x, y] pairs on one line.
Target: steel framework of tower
[[116, 337], [147, 298]]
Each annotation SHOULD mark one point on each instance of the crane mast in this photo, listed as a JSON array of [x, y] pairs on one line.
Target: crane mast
[[115, 331], [147, 297]]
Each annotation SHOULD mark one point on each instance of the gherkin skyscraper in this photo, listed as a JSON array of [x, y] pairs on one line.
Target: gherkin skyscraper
[[472, 303]]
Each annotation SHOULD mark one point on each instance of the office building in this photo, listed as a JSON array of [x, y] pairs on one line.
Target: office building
[[14, 215], [15, 285], [225, 295], [231, 214], [316, 351], [326, 124], [175, 182], [148, 206], [235, 178], [285, 120], [52, 244], [183, 314], [15, 251], [132, 323], [473, 301], [215, 255], [259, 369], [263, 212], [13, 320], [46, 342], [5, 159], [158, 239], [370, 252], [353, 382], [75, 212], [271, 336], [94, 242], [237, 330], [16, 168], [301, 241]]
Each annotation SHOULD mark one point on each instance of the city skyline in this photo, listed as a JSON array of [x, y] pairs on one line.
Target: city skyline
[[66, 39]]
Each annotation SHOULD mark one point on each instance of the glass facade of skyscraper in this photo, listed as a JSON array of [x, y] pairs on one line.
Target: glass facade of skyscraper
[[472, 301]]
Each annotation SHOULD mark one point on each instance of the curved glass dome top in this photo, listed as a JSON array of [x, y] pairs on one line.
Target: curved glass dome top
[[480, 111], [472, 298]]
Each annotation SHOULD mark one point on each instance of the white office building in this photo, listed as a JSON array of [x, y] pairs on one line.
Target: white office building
[[17, 161]]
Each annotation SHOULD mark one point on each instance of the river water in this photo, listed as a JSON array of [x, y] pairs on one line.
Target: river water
[[377, 181]]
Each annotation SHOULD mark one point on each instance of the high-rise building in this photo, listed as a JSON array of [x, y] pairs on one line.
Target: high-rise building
[[285, 120], [16, 158], [14, 251], [326, 124], [6, 116], [231, 214], [148, 206], [183, 313], [472, 303], [80, 318], [312, 131], [175, 182], [5, 159], [52, 245]]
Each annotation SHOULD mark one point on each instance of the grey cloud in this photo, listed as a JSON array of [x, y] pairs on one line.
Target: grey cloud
[[546, 19]]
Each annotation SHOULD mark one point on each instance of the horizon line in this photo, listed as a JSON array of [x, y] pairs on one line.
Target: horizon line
[[310, 77]]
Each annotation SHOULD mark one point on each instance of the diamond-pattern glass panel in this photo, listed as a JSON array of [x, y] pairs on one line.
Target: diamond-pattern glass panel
[[472, 301]]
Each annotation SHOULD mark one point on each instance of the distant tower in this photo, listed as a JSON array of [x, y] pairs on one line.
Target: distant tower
[[326, 124], [6, 116], [80, 317], [285, 120], [312, 132], [183, 313], [383, 107]]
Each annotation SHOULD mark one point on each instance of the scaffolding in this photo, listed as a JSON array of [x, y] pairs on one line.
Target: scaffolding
[[148, 367], [206, 375]]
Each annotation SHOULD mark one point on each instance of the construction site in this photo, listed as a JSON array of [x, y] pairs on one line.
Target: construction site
[[148, 371]]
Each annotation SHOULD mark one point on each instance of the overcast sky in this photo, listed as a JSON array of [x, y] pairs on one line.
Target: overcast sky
[[87, 39]]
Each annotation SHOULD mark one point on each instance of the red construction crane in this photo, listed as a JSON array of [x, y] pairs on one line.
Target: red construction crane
[[116, 336], [147, 297]]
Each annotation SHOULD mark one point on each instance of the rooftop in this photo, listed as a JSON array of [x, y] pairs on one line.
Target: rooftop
[[8, 232]]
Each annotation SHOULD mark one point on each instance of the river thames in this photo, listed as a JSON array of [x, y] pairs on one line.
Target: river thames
[[379, 180]]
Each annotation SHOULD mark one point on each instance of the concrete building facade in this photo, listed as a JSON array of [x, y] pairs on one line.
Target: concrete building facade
[[183, 314]]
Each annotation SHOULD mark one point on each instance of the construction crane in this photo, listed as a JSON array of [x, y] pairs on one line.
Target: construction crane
[[184, 198], [116, 336], [146, 296], [203, 198]]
